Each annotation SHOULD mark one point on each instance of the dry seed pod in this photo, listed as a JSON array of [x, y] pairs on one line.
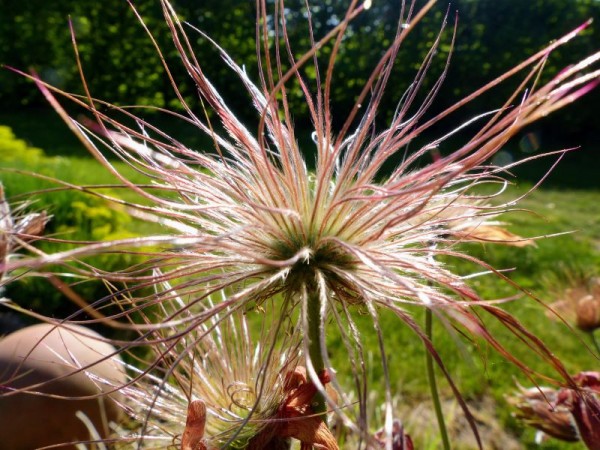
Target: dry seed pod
[[587, 313], [536, 408], [400, 440]]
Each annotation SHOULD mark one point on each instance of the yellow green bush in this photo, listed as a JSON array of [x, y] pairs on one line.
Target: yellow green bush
[[13, 148]]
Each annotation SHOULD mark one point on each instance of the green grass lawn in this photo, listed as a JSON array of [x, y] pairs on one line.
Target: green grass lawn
[[478, 371]]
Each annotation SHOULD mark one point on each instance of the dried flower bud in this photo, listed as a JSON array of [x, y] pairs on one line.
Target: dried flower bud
[[535, 407], [578, 304], [400, 440], [585, 409], [587, 313], [570, 414]]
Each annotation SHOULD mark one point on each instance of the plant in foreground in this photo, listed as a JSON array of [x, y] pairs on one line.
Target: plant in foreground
[[251, 223], [227, 380], [227, 390]]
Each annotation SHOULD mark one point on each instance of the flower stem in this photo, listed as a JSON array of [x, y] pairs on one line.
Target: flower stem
[[433, 383], [314, 348]]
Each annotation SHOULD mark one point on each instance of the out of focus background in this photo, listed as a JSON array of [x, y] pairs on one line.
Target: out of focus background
[[122, 66]]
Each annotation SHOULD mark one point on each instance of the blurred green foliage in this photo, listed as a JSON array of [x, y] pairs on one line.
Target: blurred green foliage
[[122, 65], [13, 149], [540, 272], [76, 216]]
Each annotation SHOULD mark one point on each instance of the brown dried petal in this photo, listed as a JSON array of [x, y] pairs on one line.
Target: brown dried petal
[[311, 431], [492, 234], [194, 427], [296, 419], [295, 378], [32, 224]]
